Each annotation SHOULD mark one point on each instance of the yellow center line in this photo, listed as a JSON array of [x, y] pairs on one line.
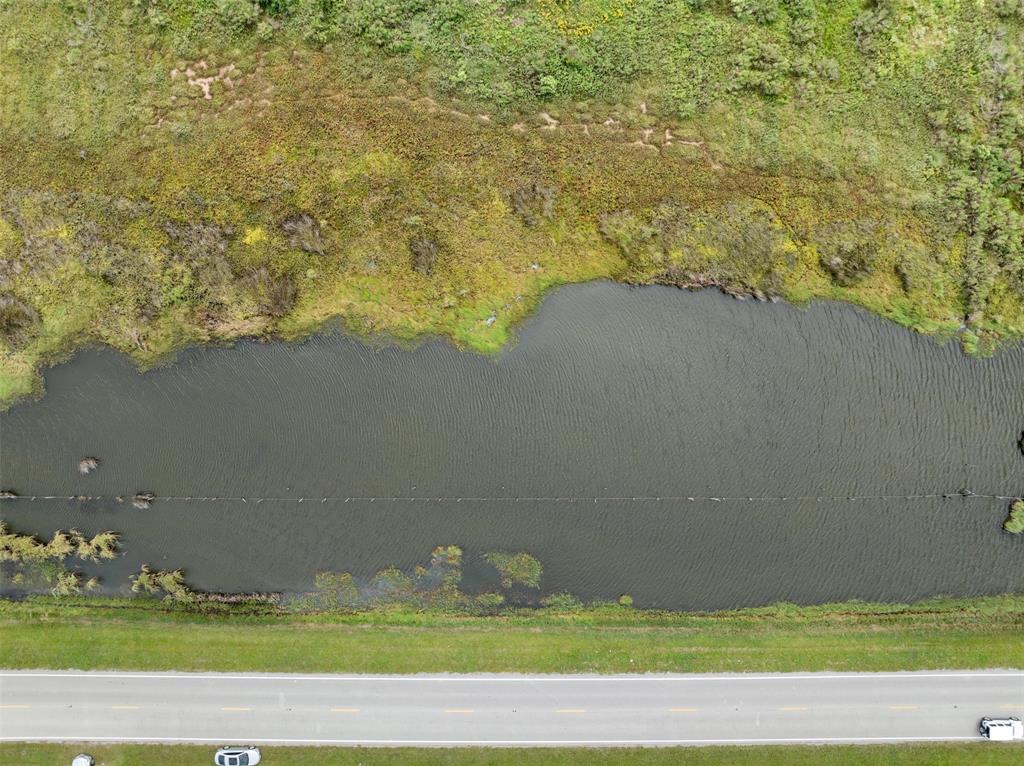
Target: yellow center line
[[903, 707], [124, 707], [236, 709], [794, 709], [683, 710], [570, 710], [458, 710], [344, 710], [1012, 707], [15, 707]]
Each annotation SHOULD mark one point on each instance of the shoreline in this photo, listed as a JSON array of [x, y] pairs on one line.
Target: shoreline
[[341, 324]]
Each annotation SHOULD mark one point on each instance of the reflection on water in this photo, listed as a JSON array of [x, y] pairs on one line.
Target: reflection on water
[[610, 392]]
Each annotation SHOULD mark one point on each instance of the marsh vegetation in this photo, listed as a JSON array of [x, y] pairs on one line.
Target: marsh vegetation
[[176, 171], [436, 586], [28, 563]]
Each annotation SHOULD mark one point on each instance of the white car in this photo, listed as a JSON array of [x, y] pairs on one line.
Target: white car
[[237, 756], [1002, 729]]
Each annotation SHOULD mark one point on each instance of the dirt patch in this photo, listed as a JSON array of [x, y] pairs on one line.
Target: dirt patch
[[200, 75]]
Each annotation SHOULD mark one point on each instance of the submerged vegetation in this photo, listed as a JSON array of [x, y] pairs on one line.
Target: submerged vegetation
[[1014, 523], [515, 568], [436, 586], [177, 171], [32, 566], [423, 621]]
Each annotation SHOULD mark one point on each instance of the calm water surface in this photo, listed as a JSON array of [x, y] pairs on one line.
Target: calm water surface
[[610, 392]]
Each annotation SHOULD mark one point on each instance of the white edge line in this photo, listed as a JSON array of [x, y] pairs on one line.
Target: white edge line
[[468, 678], [494, 742]]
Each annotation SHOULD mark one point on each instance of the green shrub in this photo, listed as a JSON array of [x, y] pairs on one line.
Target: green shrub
[[1008, 8], [762, 67], [800, 9], [870, 28], [277, 7], [310, 18], [802, 31], [761, 11], [237, 15]]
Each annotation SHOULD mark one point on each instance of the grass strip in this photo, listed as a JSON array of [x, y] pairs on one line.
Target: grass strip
[[126, 635], [979, 754]]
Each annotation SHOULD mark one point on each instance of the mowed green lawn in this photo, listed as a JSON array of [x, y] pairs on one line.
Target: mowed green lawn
[[979, 754], [979, 633]]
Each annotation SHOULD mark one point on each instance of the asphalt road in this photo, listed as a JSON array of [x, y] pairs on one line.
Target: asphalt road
[[503, 709]]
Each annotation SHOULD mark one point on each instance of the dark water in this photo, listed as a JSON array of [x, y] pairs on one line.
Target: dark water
[[610, 392]]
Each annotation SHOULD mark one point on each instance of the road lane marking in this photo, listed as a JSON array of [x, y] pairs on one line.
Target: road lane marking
[[14, 707], [903, 707], [1012, 707], [683, 710], [795, 709], [236, 709], [124, 707], [570, 710], [344, 710], [458, 710]]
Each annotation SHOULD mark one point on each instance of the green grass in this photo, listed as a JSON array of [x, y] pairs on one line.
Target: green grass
[[137, 213], [979, 754], [145, 635]]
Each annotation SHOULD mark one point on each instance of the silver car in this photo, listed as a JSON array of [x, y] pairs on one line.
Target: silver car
[[237, 756]]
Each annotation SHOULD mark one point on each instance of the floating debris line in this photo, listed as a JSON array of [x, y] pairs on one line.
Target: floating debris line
[[959, 494]]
